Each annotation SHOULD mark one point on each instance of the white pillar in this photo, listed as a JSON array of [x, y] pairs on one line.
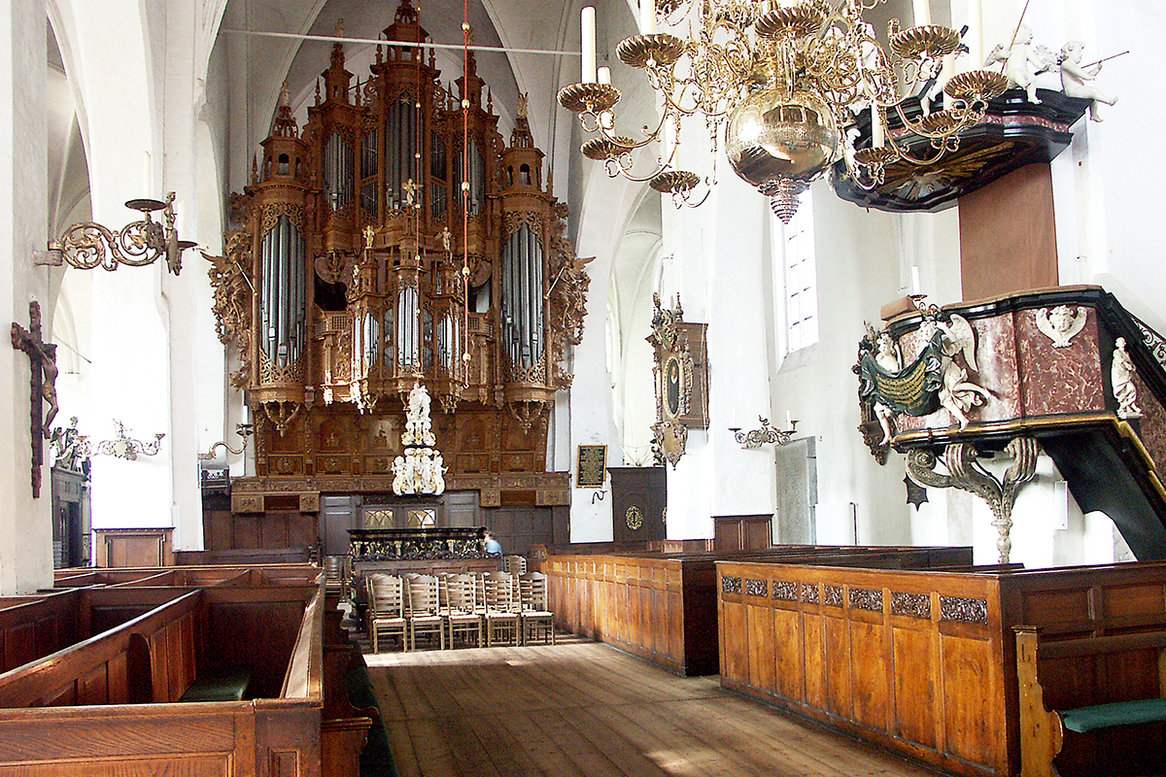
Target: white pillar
[[26, 560]]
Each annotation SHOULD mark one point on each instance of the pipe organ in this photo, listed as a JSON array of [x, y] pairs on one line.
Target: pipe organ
[[397, 239]]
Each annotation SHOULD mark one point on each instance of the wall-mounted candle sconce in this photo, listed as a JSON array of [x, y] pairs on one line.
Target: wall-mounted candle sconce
[[767, 434]]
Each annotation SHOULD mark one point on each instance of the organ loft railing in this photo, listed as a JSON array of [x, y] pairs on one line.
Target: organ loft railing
[[397, 238]]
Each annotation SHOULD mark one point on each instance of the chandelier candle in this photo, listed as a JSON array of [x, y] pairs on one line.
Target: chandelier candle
[[587, 25], [922, 12], [604, 75], [647, 17], [878, 132]]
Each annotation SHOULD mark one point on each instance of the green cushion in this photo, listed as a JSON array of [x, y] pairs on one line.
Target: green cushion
[[1122, 713], [227, 685], [376, 759]]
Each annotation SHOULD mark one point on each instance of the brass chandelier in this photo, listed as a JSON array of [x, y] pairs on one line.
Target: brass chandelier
[[778, 82]]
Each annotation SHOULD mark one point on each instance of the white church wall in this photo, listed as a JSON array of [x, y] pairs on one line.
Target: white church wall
[[25, 523], [603, 217], [129, 327], [738, 368]]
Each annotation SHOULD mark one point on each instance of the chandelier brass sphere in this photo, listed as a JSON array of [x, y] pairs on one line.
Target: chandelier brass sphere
[[772, 135]]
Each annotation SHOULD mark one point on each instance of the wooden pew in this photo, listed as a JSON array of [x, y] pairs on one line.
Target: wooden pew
[[34, 627], [1090, 688], [664, 607], [924, 662], [74, 713]]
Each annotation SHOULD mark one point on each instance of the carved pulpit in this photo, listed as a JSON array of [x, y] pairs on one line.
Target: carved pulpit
[[1066, 371]]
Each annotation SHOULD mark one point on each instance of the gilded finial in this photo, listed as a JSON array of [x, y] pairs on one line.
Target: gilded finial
[[284, 96], [521, 107], [369, 233], [340, 27]]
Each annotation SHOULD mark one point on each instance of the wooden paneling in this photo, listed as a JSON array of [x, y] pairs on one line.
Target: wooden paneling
[[742, 532], [1008, 235], [924, 662], [645, 489], [135, 547]]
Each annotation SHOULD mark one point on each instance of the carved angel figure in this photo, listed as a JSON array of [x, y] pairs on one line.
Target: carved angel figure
[[1121, 374], [1024, 61], [957, 395], [1075, 78], [1062, 323], [402, 476], [886, 356]]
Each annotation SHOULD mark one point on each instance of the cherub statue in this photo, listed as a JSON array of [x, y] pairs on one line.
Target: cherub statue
[[1024, 61], [1062, 323], [957, 395], [1075, 78], [1121, 374], [402, 483]]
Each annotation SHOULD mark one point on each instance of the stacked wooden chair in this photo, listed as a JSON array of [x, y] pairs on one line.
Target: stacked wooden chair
[[536, 621], [515, 565], [422, 609], [386, 609], [501, 615], [460, 611]]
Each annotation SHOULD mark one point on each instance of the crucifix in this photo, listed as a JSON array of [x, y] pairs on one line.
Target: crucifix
[[42, 386]]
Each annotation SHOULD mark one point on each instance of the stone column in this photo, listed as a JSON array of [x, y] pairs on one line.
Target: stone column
[[26, 560]]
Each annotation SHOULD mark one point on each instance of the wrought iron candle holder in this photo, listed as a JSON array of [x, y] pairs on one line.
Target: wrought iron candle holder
[[243, 430], [125, 447], [89, 245], [766, 435]]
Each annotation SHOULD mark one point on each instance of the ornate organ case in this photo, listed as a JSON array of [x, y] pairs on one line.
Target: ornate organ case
[[398, 239]]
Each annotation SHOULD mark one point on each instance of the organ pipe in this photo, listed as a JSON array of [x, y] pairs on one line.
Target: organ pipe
[[338, 172], [284, 294], [522, 297]]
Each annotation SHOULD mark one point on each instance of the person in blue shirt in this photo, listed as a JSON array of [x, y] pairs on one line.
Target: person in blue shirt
[[493, 546]]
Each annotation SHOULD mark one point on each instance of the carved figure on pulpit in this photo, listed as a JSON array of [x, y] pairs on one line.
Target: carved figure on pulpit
[[1076, 79], [889, 388], [1062, 323], [1121, 374], [887, 357], [957, 394], [1023, 61]]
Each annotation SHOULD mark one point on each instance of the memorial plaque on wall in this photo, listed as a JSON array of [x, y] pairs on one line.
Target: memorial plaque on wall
[[591, 468]]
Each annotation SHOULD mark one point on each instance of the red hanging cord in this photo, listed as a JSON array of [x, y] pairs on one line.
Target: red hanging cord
[[466, 191]]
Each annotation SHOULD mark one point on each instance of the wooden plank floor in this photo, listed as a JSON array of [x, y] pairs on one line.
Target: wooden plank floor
[[588, 710]]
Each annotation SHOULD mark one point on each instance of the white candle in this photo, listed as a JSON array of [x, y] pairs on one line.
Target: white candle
[[878, 133], [914, 279], [922, 12], [789, 420], [604, 74], [945, 73], [587, 23], [974, 38], [647, 17]]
